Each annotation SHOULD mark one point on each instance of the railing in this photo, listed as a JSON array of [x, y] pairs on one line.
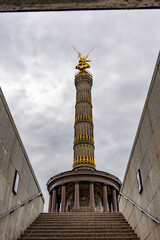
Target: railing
[[20, 205], [143, 211]]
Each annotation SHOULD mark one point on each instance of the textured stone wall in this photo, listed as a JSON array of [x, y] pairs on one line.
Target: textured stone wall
[[53, 5], [13, 157], [145, 156]]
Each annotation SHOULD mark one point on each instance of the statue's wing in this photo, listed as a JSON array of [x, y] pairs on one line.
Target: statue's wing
[[77, 52], [89, 53]]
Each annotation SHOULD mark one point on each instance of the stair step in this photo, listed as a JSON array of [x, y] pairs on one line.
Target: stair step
[[52, 227], [79, 238], [110, 224], [82, 220], [86, 222], [78, 217], [80, 214], [104, 230], [61, 234], [105, 223], [83, 213]]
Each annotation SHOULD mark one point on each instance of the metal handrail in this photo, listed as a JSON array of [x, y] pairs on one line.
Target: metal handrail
[[20, 205], [143, 211]]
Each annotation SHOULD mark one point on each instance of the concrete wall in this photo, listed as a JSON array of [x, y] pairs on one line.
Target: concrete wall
[[145, 155], [13, 157], [54, 5]]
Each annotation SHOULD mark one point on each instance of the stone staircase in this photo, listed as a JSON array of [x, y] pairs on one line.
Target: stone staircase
[[79, 225]]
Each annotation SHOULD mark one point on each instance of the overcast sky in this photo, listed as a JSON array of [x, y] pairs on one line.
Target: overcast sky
[[37, 68]]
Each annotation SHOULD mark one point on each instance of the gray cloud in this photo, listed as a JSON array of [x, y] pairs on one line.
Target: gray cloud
[[37, 77]]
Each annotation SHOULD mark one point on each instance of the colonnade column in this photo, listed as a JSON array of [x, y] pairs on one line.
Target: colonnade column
[[63, 198], [114, 195], [91, 191], [54, 196], [50, 202], [105, 199], [76, 196]]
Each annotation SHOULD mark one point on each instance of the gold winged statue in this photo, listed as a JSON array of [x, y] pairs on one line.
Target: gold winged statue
[[83, 62]]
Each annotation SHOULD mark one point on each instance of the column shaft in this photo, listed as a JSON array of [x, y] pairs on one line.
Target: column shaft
[[83, 128], [115, 209], [105, 199], [63, 199], [54, 197], [76, 197], [92, 204], [50, 202]]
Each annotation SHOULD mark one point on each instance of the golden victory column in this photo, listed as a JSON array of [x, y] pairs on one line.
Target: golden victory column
[[83, 188], [83, 128]]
